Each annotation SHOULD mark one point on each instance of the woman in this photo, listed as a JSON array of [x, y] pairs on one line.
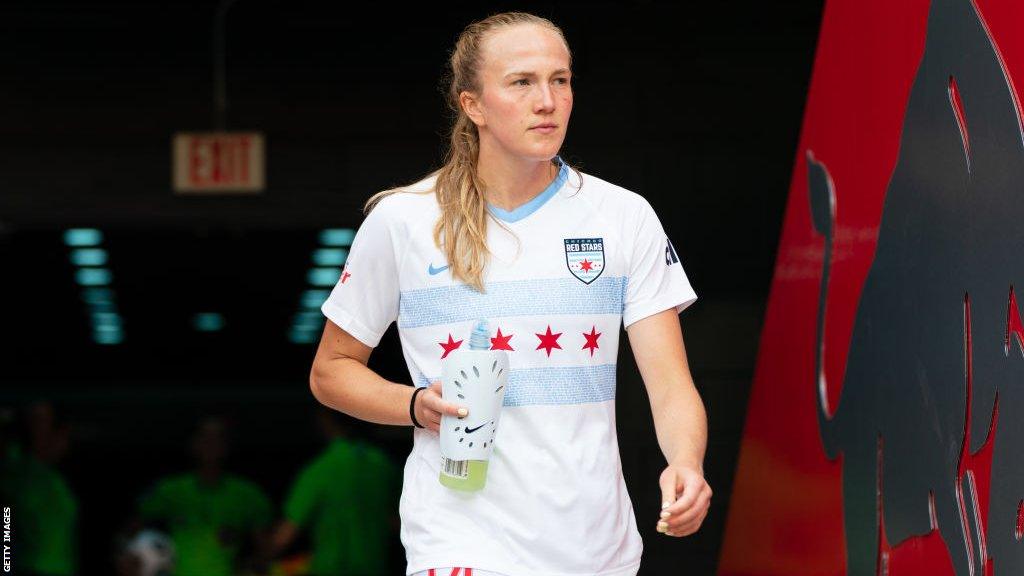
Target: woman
[[555, 260]]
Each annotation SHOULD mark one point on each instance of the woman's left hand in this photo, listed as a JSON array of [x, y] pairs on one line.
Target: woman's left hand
[[685, 497]]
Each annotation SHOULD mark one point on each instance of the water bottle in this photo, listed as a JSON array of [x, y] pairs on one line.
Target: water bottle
[[474, 378]]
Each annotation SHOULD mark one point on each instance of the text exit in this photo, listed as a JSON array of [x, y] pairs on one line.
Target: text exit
[[218, 162]]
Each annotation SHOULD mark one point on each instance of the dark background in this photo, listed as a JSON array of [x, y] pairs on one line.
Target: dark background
[[696, 106]]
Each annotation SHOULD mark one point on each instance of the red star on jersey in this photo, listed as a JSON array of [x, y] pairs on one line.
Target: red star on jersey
[[548, 341], [501, 342], [591, 340], [586, 265], [449, 346]]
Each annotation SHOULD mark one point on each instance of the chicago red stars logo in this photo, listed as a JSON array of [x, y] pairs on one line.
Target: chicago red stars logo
[[585, 258]]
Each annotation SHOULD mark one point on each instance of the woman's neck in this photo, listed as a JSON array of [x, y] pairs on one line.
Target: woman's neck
[[512, 182]]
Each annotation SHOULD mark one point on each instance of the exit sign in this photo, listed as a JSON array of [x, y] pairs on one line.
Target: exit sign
[[205, 162]]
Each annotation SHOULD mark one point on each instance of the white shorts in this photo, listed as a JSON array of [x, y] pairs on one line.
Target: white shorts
[[456, 571]]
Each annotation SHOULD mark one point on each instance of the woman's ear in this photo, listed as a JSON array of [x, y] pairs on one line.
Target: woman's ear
[[471, 106]]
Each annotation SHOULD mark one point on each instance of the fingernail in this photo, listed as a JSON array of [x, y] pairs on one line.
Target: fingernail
[[665, 514], [667, 533], [665, 505], [463, 411], [662, 525], [661, 528]]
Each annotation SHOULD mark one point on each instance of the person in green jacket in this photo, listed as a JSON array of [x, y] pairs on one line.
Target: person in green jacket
[[44, 510], [211, 515], [348, 498]]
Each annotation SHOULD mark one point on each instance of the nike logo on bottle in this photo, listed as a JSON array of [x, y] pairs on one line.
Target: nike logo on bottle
[[433, 270], [471, 430]]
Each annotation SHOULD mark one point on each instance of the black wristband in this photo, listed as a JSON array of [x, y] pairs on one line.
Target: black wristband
[[412, 407]]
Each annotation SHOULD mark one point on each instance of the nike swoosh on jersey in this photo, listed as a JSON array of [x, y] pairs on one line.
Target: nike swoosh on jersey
[[433, 270], [471, 430]]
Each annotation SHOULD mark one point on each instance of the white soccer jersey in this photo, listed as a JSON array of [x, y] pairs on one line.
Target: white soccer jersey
[[589, 257]]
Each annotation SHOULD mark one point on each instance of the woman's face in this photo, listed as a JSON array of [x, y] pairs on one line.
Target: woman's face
[[525, 99]]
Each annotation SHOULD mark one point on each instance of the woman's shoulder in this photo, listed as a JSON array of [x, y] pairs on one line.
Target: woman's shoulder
[[409, 201], [422, 187], [603, 193]]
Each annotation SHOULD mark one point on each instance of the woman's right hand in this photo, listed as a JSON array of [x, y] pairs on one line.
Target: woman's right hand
[[430, 406]]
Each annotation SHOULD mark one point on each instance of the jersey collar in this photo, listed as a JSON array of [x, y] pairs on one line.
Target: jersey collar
[[537, 201]]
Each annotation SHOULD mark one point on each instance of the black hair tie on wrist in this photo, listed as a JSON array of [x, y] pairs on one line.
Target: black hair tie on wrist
[[412, 407]]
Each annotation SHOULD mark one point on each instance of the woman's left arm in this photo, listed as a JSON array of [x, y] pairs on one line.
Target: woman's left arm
[[679, 420]]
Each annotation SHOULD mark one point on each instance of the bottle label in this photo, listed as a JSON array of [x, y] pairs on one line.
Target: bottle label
[[455, 468]]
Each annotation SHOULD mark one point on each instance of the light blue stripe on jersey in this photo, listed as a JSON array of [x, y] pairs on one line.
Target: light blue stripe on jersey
[[459, 303], [555, 385]]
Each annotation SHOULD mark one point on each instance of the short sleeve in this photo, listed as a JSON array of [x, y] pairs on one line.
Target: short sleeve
[[259, 507], [364, 301], [304, 497], [656, 280], [155, 503]]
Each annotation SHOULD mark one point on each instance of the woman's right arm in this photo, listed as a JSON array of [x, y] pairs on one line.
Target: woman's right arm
[[341, 380]]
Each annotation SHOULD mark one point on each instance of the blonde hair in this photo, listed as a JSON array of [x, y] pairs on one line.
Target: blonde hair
[[458, 187]]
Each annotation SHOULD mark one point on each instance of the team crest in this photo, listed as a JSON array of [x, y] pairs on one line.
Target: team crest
[[585, 258]]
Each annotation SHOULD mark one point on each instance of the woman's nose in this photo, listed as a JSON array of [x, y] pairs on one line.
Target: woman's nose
[[546, 99]]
